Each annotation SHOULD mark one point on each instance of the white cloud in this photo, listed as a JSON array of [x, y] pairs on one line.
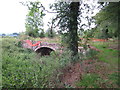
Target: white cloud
[[13, 14]]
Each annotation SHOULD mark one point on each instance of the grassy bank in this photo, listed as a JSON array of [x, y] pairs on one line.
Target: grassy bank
[[108, 54], [22, 68], [103, 73]]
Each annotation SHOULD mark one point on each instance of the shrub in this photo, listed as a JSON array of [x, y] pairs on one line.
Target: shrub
[[21, 68]]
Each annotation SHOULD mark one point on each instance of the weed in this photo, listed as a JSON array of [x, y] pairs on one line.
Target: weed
[[89, 81], [21, 68], [113, 80]]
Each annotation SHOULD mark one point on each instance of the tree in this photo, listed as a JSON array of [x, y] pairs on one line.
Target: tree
[[34, 22], [108, 16], [69, 17], [67, 20], [3, 35], [42, 34], [50, 32], [73, 36]]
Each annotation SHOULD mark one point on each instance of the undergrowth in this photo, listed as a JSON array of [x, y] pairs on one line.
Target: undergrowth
[[92, 80], [21, 68], [109, 79]]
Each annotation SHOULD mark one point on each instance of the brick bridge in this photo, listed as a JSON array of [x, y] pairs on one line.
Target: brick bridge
[[43, 48]]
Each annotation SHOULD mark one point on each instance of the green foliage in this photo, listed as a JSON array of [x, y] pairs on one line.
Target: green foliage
[[92, 80], [32, 33], [63, 9], [103, 32], [114, 78], [67, 16], [91, 54], [89, 81], [89, 33], [65, 58], [64, 39], [22, 69], [111, 58], [34, 22], [50, 33], [109, 78], [16, 70], [42, 34], [108, 16], [107, 55]]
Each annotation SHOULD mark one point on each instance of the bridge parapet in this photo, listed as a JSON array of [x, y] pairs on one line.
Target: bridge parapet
[[44, 48]]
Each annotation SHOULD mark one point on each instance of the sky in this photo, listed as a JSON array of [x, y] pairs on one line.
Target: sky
[[13, 15]]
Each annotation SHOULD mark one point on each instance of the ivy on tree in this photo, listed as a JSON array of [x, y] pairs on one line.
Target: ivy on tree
[[69, 17]]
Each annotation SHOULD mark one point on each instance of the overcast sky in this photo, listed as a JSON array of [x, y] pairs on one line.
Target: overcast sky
[[13, 15]]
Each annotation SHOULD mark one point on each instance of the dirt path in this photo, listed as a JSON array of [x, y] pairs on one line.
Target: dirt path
[[74, 72], [71, 74]]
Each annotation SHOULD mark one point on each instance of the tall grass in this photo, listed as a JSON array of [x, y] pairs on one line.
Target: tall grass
[[21, 68]]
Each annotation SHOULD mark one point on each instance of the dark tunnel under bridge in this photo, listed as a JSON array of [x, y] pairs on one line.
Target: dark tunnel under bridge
[[44, 50]]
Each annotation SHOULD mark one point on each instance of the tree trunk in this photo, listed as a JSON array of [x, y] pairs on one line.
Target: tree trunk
[[73, 27]]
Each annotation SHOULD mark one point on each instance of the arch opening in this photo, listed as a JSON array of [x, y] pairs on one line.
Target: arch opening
[[44, 51]]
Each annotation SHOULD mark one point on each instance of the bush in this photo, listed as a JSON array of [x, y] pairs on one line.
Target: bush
[[50, 34], [22, 69], [42, 34]]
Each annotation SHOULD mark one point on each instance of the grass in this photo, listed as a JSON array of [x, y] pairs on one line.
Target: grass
[[49, 40], [104, 76], [89, 81], [107, 55], [22, 69]]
